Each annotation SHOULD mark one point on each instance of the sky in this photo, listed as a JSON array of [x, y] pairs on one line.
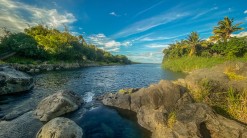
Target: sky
[[139, 29]]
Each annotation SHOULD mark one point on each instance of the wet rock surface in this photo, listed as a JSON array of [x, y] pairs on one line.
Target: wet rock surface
[[13, 81], [25, 126], [60, 128], [58, 104]]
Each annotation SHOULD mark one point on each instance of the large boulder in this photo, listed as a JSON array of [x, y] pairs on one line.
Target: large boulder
[[58, 104], [13, 81], [60, 128], [167, 110]]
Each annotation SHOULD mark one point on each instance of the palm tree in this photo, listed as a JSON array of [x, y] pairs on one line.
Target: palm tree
[[193, 40], [225, 28]]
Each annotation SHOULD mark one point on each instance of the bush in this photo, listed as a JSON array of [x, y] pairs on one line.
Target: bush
[[23, 44]]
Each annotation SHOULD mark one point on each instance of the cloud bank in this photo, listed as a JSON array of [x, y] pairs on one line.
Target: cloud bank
[[106, 43], [17, 15]]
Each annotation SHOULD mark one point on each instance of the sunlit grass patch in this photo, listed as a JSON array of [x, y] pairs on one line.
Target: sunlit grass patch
[[2, 62], [172, 117], [234, 76], [237, 105], [188, 64]]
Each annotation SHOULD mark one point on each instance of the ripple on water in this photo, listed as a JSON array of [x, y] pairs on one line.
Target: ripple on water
[[88, 97]]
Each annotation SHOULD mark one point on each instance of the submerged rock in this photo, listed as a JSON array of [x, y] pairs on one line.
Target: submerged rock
[[167, 110], [60, 128], [13, 81], [57, 104]]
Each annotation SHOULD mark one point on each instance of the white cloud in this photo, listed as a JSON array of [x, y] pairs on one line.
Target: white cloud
[[245, 12], [114, 14], [16, 16], [113, 49], [127, 43], [106, 43], [100, 36], [112, 43], [205, 12], [150, 23], [146, 57], [155, 38], [242, 34], [148, 9], [157, 45]]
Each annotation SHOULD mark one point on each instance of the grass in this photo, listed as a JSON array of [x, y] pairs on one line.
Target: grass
[[232, 75], [230, 104], [2, 62], [172, 117], [188, 64], [237, 105]]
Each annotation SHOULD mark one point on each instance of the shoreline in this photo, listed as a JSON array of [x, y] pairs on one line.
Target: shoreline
[[44, 67]]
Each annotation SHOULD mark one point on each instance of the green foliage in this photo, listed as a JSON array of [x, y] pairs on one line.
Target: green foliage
[[188, 64], [237, 104], [194, 53], [23, 44], [40, 42], [225, 28], [235, 47]]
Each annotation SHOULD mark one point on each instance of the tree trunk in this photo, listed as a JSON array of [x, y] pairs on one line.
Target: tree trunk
[[192, 51]]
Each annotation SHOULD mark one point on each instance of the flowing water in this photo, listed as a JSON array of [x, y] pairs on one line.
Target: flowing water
[[96, 120]]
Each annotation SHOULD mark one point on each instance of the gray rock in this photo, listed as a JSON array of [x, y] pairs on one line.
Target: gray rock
[[167, 110], [13, 81], [25, 126], [58, 104], [60, 128]]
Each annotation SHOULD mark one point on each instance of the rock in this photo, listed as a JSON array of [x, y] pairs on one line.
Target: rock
[[215, 79], [60, 128], [37, 70], [13, 81], [31, 70], [25, 126], [58, 104], [167, 110]]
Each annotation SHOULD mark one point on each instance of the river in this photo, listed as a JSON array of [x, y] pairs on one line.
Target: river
[[96, 120]]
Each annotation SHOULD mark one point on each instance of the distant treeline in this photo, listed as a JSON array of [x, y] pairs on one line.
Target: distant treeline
[[222, 43], [43, 43]]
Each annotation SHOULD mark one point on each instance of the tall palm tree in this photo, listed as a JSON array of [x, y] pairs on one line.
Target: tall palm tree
[[193, 40], [225, 28]]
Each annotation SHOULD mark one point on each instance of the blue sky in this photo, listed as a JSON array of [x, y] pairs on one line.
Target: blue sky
[[139, 29]]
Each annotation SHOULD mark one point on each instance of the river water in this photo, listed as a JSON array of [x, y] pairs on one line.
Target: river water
[[96, 120]]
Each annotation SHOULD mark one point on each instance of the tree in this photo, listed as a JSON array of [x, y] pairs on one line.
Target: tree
[[225, 28], [193, 40], [23, 44]]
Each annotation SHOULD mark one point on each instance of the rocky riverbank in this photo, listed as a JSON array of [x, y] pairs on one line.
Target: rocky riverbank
[[182, 109], [13, 81], [44, 67]]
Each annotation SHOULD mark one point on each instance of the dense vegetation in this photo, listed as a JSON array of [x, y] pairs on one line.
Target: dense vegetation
[[43, 43], [205, 53]]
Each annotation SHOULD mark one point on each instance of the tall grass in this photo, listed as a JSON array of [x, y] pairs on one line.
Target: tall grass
[[237, 105], [231, 104], [188, 64]]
